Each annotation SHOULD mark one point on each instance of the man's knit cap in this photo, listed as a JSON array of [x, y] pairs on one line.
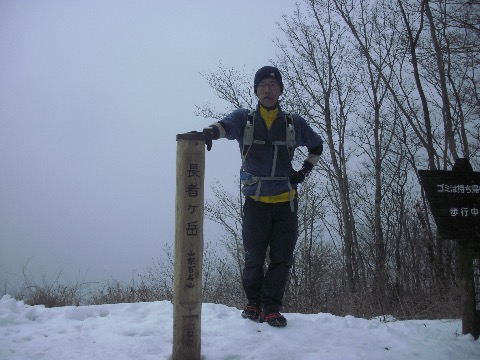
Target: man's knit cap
[[267, 72]]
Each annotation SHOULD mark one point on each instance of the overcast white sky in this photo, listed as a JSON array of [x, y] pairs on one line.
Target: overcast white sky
[[92, 95]]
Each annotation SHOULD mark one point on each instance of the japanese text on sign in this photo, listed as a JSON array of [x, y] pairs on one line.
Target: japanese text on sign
[[193, 173], [458, 189], [192, 222], [454, 198], [463, 211], [192, 228], [191, 269], [190, 335]]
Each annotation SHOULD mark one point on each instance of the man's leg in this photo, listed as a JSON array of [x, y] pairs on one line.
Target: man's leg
[[256, 231], [282, 246]]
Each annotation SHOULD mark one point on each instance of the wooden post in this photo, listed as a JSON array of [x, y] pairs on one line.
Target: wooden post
[[187, 284], [467, 288]]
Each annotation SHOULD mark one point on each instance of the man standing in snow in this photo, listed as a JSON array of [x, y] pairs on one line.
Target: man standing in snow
[[268, 138]]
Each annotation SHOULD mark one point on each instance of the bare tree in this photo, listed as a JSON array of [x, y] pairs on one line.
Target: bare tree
[[393, 88], [315, 55], [230, 85], [226, 210]]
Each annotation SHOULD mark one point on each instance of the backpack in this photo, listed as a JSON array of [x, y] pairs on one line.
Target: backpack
[[248, 141]]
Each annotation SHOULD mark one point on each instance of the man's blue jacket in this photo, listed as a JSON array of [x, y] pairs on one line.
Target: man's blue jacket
[[259, 160]]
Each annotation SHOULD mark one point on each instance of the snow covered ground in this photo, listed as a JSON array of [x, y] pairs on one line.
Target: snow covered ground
[[144, 331]]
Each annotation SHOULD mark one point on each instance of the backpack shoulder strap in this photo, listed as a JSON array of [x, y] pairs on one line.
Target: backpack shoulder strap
[[290, 135], [248, 132]]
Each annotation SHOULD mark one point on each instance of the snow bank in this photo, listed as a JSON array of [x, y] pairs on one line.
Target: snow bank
[[144, 331]]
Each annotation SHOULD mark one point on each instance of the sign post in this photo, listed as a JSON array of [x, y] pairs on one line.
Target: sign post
[[454, 198], [187, 283]]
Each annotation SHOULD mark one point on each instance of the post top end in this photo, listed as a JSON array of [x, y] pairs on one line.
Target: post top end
[[193, 135]]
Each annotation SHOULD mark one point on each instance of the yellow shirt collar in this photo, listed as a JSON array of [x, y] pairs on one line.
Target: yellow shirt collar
[[268, 116]]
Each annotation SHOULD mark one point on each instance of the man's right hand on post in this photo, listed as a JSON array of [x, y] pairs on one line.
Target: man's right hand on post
[[209, 134]]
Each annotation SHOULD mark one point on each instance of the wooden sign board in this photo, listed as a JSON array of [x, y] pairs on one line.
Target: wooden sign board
[[454, 198]]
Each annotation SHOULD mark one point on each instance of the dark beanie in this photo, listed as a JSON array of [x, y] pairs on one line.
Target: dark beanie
[[267, 72]]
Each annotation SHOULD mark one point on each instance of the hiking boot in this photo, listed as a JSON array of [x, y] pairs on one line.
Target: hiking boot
[[273, 318], [252, 312]]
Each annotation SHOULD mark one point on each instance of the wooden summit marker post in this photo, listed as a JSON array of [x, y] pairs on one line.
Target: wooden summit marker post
[[454, 198], [187, 283]]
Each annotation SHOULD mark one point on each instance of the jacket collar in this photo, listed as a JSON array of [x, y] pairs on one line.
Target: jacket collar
[[277, 105]]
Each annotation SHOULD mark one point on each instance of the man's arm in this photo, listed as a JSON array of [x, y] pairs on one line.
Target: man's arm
[[314, 144]]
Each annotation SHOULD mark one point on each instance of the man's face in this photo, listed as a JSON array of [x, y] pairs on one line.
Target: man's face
[[268, 92]]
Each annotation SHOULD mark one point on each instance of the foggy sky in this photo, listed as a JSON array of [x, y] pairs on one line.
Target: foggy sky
[[92, 94]]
